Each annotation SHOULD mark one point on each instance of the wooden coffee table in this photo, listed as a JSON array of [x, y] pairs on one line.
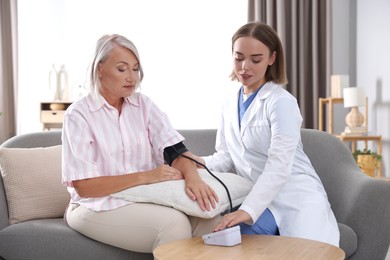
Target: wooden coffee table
[[252, 247]]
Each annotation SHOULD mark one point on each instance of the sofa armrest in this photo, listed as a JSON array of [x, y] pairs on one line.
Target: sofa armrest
[[368, 214], [4, 220], [358, 201]]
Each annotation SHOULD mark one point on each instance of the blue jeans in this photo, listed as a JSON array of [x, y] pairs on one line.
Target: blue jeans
[[265, 225]]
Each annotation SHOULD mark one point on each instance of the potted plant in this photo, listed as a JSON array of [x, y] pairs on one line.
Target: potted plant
[[367, 160]]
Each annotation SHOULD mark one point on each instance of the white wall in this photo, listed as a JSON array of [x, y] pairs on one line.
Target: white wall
[[373, 67], [184, 46]]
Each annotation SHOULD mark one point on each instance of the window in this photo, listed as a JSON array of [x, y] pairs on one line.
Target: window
[[185, 49]]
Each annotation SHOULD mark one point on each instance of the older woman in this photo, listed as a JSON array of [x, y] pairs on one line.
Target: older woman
[[115, 138]]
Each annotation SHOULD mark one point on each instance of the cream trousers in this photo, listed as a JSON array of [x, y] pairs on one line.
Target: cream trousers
[[139, 227]]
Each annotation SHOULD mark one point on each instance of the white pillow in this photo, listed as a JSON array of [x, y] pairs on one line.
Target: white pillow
[[172, 193], [32, 183]]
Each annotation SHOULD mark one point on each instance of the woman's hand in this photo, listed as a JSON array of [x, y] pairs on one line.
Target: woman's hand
[[232, 219], [201, 192], [164, 173], [196, 188]]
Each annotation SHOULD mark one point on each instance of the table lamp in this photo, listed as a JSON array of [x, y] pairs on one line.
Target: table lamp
[[354, 97]]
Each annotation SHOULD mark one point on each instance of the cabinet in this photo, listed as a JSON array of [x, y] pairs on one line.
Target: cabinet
[[52, 113], [353, 139]]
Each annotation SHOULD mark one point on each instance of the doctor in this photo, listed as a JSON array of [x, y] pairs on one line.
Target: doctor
[[259, 139]]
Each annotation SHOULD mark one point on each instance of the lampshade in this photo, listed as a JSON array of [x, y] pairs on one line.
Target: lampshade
[[354, 97]]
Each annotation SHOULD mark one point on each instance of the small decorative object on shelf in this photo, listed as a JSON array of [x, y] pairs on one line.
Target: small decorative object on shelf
[[355, 131], [58, 84], [337, 84], [367, 161]]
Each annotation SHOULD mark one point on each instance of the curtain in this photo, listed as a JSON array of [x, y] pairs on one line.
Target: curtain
[[8, 68], [304, 29]]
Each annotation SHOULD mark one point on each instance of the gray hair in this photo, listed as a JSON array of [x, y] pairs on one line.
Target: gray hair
[[103, 48]]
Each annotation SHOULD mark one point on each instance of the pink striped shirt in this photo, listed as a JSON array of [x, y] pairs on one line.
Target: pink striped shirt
[[97, 141]]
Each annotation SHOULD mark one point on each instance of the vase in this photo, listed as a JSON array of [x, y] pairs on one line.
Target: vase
[[53, 83], [367, 163], [62, 84]]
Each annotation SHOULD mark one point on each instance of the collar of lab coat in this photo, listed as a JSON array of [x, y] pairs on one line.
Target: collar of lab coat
[[263, 93]]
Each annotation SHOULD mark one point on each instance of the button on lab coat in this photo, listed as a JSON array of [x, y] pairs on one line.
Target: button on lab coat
[[267, 149]]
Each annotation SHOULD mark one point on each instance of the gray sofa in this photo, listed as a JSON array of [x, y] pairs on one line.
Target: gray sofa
[[361, 205]]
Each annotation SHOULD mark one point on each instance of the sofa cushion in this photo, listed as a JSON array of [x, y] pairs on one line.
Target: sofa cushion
[[172, 193], [32, 183]]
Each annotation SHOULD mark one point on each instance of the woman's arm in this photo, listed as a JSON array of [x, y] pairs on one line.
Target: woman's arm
[[106, 185]]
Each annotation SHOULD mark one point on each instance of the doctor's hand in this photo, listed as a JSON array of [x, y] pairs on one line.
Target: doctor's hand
[[232, 219], [199, 191]]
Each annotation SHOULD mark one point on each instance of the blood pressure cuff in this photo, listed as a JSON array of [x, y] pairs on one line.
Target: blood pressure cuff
[[174, 151]]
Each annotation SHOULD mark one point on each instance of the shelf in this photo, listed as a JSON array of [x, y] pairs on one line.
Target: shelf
[[353, 139], [52, 113]]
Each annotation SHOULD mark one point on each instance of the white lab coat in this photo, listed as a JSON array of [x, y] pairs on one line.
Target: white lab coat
[[267, 149]]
